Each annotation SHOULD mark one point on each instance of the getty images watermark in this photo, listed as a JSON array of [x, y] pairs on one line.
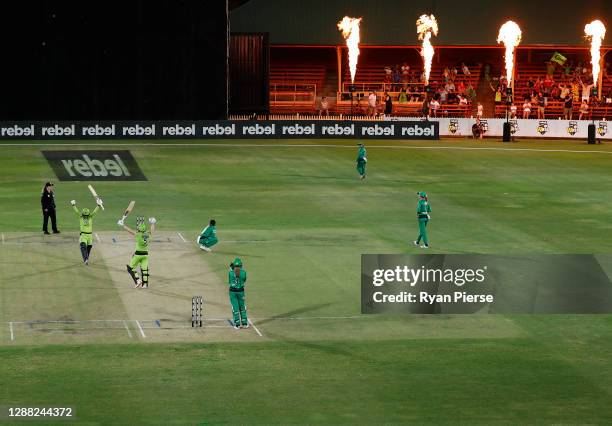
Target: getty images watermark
[[469, 284]]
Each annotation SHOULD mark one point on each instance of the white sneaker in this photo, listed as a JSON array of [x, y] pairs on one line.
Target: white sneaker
[[236, 327], [208, 249], [424, 246], [416, 244]]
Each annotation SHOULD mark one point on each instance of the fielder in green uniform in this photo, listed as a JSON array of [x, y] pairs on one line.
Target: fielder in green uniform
[[86, 228], [423, 210], [208, 236], [361, 161], [237, 279], [141, 255]]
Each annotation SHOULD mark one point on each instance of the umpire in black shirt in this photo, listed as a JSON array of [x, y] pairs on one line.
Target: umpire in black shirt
[[48, 208]]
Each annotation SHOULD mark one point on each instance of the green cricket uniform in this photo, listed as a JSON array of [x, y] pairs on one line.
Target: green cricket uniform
[[86, 229], [236, 295], [86, 225], [361, 161], [141, 257], [423, 210], [208, 236]]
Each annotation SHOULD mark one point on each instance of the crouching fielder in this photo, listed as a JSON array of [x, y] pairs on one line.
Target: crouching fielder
[[237, 279], [86, 228], [141, 255], [208, 236]]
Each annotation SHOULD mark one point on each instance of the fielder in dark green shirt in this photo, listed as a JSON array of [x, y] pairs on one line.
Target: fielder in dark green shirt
[[208, 236], [423, 209], [361, 161], [236, 279]]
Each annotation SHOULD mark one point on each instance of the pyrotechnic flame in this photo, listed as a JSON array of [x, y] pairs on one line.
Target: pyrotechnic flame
[[509, 34], [350, 32], [426, 27], [596, 31]]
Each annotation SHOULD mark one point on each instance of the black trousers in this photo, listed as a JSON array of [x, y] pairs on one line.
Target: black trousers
[[50, 213]]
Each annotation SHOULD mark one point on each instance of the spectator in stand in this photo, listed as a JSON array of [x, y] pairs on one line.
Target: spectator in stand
[[450, 86], [446, 75], [555, 93], [498, 94], [584, 110], [462, 99], [567, 68], [397, 78], [479, 111], [434, 106], [324, 106], [530, 83], [537, 86], [568, 105], [402, 98], [586, 92], [405, 73], [442, 94], [454, 73], [465, 69], [540, 105], [388, 78], [388, 105], [513, 111], [372, 104], [470, 92], [575, 90], [564, 91], [461, 87], [550, 68], [526, 108]]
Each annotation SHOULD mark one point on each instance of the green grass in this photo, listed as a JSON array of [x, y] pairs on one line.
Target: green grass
[[305, 219]]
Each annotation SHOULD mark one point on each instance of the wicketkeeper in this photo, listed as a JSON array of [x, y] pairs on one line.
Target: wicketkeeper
[[361, 161], [86, 228], [423, 210], [237, 279], [208, 236], [141, 255]]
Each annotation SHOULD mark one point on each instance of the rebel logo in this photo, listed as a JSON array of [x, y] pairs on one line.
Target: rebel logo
[[94, 165]]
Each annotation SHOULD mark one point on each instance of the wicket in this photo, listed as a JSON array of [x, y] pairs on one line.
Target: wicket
[[196, 311]]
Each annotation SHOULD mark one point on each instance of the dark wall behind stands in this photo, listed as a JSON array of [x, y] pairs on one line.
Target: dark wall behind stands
[[392, 22], [113, 59], [249, 73]]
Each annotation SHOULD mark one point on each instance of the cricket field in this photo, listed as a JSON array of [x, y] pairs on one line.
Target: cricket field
[[298, 216]]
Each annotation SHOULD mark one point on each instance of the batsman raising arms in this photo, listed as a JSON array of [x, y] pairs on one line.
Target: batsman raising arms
[[86, 228], [141, 255]]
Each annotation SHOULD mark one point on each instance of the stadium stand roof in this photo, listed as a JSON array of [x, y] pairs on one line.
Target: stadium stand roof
[[392, 22]]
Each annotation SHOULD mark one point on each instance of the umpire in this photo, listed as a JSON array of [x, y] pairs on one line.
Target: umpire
[[48, 209]]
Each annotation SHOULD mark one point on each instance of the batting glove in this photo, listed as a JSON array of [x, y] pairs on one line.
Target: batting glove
[[99, 201], [152, 220], [73, 202], [120, 222], [428, 217]]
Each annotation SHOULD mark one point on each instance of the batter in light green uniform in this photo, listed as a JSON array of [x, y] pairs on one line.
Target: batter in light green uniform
[[85, 229], [236, 279], [361, 161], [141, 254], [423, 210]]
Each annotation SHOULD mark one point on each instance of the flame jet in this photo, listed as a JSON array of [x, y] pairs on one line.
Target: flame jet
[[350, 32], [510, 35]]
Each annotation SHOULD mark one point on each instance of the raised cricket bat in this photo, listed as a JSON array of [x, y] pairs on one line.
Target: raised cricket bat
[[95, 194], [129, 209]]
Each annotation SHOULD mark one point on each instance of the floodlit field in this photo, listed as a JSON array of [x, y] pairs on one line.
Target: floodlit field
[[300, 218]]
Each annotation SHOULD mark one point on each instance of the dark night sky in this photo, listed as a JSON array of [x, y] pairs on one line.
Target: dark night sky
[[392, 22]]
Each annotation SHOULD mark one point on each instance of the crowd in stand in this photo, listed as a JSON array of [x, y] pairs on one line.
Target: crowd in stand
[[574, 86], [403, 85]]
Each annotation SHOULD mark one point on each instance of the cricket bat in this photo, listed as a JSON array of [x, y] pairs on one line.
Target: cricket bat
[[129, 209], [95, 194]]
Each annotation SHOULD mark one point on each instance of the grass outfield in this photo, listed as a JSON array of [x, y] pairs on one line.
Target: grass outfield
[[299, 218]]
